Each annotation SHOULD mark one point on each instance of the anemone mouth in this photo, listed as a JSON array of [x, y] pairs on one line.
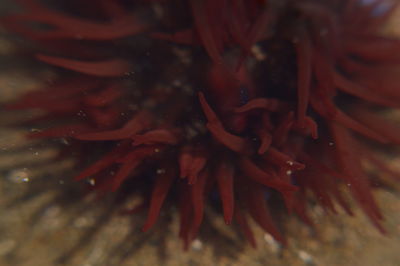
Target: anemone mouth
[[240, 100]]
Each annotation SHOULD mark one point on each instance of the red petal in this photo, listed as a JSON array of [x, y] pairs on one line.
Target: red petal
[[269, 104], [108, 68], [105, 162], [257, 174], [197, 196], [231, 141], [378, 124], [349, 162], [139, 122], [364, 93], [204, 30], [160, 191], [104, 97], [191, 163], [304, 59], [258, 209], [162, 136], [244, 225], [266, 140], [224, 176]]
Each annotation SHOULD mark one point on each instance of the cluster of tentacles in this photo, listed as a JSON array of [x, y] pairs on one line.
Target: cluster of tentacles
[[160, 99]]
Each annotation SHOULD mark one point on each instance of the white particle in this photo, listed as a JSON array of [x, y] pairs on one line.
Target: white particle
[[273, 244], [81, 113], [64, 141], [18, 176], [160, 171], [258, 53], [197, 245], [306, 257]]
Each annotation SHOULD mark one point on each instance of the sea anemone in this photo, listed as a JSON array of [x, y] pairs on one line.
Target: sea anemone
[[236, 105]]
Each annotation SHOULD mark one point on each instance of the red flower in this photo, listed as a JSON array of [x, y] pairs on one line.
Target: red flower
[[139, 93]]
